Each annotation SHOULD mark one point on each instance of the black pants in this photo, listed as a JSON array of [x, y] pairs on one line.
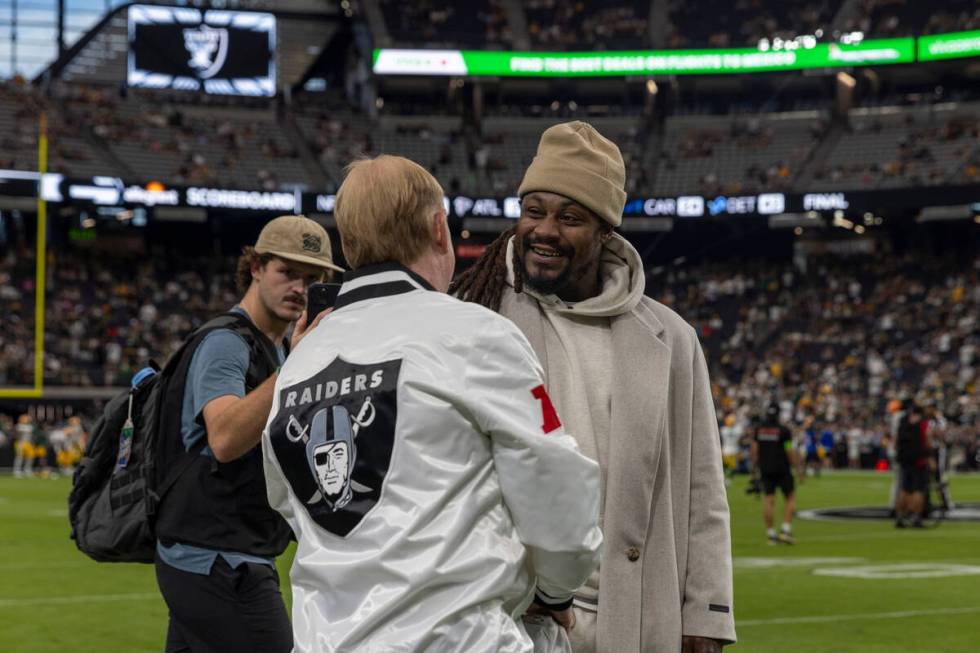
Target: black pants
[[239, 610], [780, 479]]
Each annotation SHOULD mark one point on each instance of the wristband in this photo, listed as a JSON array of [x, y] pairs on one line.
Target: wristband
[[551, 604]]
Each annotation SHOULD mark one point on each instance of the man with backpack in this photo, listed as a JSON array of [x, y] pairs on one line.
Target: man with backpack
[[913, 447], [217, 537]]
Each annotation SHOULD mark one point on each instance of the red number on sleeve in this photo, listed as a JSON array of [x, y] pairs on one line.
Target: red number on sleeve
[[551, 421]]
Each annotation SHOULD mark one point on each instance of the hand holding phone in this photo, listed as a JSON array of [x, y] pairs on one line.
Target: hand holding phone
[[319, 297]]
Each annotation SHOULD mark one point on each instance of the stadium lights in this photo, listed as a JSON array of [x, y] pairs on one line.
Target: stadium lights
[[777, 44], [851, 38], [846, 80]]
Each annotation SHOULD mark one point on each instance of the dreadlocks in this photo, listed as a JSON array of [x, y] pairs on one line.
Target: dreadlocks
[[484, 282]]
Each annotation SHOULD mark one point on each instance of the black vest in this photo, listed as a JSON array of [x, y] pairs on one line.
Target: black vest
[[214, 505]]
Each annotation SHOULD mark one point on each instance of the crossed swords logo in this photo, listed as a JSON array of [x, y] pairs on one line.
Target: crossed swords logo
[[296, 432]]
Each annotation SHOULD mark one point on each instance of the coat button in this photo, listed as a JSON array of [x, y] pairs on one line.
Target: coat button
[[633, 554]]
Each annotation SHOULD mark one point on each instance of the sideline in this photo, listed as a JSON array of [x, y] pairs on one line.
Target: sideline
[[68, 600], [853, 617]]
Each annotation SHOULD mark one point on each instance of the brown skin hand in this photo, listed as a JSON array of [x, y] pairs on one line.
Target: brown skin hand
[[559, 245]]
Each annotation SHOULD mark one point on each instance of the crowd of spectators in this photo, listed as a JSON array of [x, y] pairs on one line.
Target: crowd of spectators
[[743, 23], [892, 18], [835, 343], [20, 107], [479, 24], [141, 137], [592, 25], [838, 343], [922, 151], [105, 318]]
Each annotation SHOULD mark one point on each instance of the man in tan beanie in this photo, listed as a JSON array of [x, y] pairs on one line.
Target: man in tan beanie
[[217, 536], [629, 379]]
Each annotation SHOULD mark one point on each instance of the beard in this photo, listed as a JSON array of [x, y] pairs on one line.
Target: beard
[[546, 285]]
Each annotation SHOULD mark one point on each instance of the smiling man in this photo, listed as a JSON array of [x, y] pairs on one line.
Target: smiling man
[[629, 379]]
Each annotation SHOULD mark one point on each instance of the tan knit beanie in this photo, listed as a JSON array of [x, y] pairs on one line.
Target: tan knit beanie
[[576, 161]]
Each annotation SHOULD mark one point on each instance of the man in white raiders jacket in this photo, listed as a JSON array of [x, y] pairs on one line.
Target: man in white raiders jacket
[[415, 453]]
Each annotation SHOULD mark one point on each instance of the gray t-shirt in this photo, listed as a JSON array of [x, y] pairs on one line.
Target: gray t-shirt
[[217, 369]]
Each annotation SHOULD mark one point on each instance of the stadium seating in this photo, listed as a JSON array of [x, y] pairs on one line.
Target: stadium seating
[[840, 340], [733, 154], [887, 18], [68, 151], [888, 147], [232, 147], [578, 25], [835, 338], [440, 23], [719, 23]]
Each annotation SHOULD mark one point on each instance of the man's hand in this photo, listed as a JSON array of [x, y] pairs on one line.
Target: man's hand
[[700, 645], [565, 618], [300, 329]]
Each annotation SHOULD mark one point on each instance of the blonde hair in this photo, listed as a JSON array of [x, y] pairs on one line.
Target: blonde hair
[[384, 210]]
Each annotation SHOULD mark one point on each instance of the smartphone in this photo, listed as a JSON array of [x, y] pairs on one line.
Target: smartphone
[[319, 297]]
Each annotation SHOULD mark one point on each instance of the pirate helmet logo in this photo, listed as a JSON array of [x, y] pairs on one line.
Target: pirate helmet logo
[[332, 460]]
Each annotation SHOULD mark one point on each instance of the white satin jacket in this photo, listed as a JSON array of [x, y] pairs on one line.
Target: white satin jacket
[[416, 455]]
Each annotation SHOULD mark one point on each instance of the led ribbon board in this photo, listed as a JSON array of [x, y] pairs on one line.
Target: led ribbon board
[[217, 52], [949, 46], [640, 62]]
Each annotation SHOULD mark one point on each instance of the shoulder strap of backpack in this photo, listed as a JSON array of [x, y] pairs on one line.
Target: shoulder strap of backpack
[[263, 356], [263, 360]]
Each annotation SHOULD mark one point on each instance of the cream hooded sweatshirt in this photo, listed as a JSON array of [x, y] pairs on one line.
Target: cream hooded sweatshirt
[[578, 342]]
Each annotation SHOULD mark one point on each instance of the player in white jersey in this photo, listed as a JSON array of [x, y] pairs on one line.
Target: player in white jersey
[[24, 446], [415, 453]]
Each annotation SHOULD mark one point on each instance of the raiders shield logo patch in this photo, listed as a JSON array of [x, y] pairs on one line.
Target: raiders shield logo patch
[[333, 437]]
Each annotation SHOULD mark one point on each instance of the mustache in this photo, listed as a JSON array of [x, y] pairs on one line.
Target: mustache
[[299, 299]]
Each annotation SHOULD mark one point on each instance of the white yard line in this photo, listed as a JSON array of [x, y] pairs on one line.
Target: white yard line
[[7, 602], [893, 535], [853, 617]]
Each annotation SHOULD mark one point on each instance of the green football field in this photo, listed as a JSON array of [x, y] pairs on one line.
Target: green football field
[[845, 586]]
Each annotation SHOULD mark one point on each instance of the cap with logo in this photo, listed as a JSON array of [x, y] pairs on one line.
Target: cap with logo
[[297, 238]]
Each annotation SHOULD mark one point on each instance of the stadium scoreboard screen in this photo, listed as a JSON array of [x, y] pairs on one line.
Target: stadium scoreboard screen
[[217, 52]]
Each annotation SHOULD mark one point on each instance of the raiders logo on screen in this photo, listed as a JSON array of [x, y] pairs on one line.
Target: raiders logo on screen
[[208, 48], [333, 437]]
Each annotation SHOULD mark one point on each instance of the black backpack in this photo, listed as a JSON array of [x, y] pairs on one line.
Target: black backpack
[[908, 445], [114, 494]]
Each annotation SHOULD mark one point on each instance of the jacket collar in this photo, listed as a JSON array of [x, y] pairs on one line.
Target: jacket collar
[[376, 281]]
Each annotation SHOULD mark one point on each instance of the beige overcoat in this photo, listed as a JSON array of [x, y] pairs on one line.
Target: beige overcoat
[[666, 566]]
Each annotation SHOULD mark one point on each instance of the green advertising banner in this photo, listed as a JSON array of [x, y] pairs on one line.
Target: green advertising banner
[[949, 46], [640, 62]]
